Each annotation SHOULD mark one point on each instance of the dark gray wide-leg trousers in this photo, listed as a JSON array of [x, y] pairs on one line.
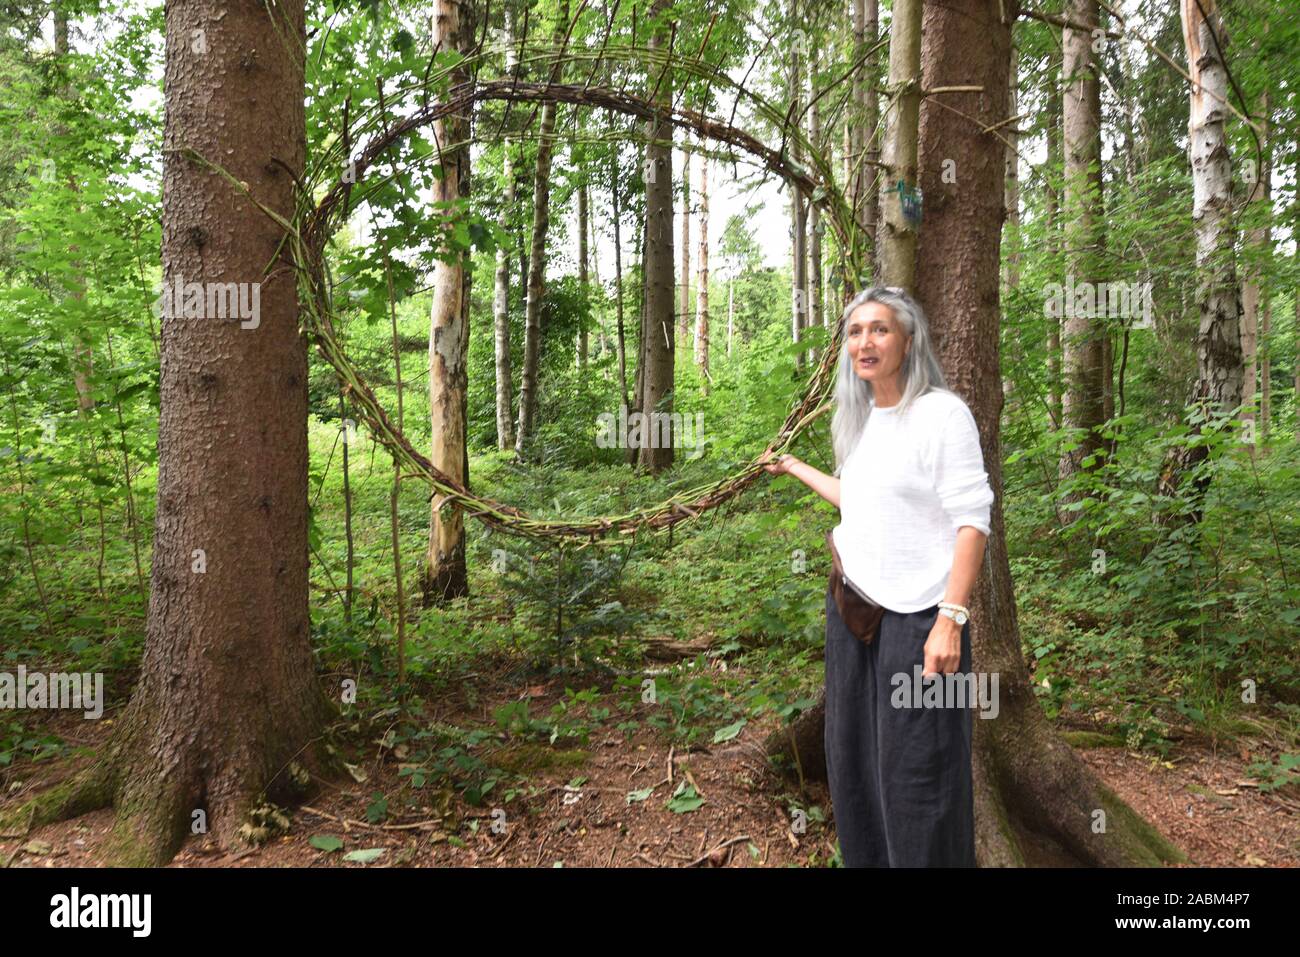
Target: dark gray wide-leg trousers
[[900, 777]]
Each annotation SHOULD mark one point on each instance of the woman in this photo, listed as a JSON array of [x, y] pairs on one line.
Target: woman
[[914, 506]]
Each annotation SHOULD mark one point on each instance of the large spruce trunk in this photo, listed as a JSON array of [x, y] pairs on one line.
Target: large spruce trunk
[[227, 701]]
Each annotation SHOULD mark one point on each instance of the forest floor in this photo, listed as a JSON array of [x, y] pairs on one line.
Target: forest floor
[[575, 810]]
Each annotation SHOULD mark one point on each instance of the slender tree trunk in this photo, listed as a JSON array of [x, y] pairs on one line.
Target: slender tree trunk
[[1011, 224], [537, 255], [864, 140], [1218, 293], [621, 338], [1084, 404], [346, 438], [82, 357], [657, 328], [815, 229], [1052, 200], [898, 245], [582, 270], [395, 495], [857, 129], [702, 295], [501, 318], [684, 287], [638, 389], [1260, 238], [501, 298], [731, 309], [798, 208], [445, 576]]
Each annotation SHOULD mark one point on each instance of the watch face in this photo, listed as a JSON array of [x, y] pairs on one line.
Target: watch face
[[961, 618]]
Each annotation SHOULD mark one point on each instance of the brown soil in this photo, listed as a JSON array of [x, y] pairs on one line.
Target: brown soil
[[1199, 797]]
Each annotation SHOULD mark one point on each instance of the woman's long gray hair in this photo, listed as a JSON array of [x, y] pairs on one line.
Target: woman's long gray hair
[[920, 372]]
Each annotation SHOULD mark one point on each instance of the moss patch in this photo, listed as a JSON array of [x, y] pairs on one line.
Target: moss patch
[[1092, 739], [530, 756]]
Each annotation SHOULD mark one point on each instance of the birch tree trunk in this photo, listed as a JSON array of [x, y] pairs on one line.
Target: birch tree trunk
[[1218, 293], [444, 576], [501, 296]]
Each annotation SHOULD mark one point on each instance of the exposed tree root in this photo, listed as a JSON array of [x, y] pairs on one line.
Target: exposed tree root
[[1036, 803], [158, 804]]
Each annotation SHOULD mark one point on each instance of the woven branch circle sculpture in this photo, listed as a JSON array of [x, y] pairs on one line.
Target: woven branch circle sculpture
[[316, 223]]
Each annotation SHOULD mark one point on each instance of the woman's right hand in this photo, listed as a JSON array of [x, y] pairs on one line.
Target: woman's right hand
[[778, 465]]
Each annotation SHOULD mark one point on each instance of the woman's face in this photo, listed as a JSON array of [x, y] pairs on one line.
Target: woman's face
[[876, 343]]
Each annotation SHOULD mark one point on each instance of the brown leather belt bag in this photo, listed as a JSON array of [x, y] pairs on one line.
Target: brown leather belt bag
[[858, 612]]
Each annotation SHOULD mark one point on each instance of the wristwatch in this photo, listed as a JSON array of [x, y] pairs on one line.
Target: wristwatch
[[957, 613]]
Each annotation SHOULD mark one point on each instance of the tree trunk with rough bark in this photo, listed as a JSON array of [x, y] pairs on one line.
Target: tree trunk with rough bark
[[619, 332], [1255, 371], [583, 272], [684, 287], [658, 329], [898, 236], [227, 709], [537, 256], [816, 315], [798, 205], [1011, 225], [1053, 203], [702, 294], [1083, 405]]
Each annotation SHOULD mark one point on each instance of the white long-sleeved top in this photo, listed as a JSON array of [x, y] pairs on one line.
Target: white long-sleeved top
[[909, 484]]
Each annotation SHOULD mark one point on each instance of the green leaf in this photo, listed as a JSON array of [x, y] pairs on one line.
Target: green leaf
[[684, 799], [729, 732], [326, 842], [365, 856]]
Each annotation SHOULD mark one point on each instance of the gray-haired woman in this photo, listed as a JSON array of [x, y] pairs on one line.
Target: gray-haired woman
[[914, 503]]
